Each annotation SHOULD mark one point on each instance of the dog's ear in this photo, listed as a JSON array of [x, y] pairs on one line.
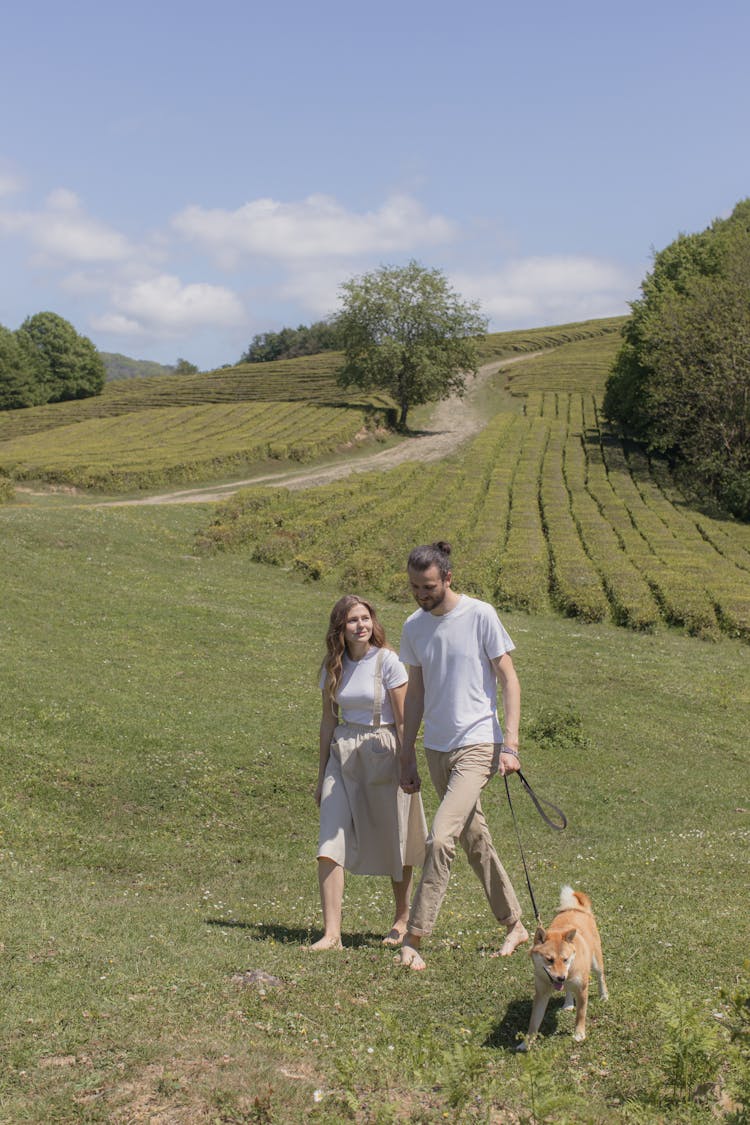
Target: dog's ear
[[540, 936], [570, 936]]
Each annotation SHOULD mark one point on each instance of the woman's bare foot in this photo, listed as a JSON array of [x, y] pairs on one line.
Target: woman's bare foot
[[410, 957], [326, 943], [517, 935], [395, 935]]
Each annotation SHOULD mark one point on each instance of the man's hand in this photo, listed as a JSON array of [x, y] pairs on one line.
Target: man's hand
[[509, 761]]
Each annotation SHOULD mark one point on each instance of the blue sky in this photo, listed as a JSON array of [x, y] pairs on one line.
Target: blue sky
[[176, 177]]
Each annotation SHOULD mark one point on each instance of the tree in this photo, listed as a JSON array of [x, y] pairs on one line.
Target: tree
[[67, 365], [405, 331], [681, 381], [18, 381], [185, 367], [289, 343]]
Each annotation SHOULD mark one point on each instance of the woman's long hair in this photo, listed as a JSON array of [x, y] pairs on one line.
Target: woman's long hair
[[336, 645]]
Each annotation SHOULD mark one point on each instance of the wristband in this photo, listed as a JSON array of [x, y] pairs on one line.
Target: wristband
[[507, 750]]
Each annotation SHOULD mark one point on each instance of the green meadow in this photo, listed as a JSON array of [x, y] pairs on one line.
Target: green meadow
[[158, 732]]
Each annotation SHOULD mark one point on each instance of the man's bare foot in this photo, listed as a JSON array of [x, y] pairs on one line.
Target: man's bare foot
[[395, 935], [410, 958], [517, 935], [326, 943]]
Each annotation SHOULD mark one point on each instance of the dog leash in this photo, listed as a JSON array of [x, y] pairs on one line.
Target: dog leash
[[538, 802]]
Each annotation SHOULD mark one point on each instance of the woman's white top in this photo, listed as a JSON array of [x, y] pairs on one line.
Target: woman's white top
[[356, 690]]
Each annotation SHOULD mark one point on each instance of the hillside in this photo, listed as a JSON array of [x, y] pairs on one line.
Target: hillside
[[71, 443], [307, 379], [546, 509], [144, 433], [152, 448], [548, 512], [501, 345], [120, 366]]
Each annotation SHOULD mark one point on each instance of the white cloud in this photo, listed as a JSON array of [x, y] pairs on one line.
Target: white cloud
[[163, 305], [294, 257], [314, 289], [9, 183], [63, 232], [61, 199], [533, 291], [114, 324], [317, 227]]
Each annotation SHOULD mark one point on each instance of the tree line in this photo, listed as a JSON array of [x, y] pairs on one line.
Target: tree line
[[46, 360], [290, 343], [681, 381]]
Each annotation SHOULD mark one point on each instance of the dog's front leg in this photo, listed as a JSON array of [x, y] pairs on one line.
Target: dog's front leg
[[537, 1015], [579, 1033]]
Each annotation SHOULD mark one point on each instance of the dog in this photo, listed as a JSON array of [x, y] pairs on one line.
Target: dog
[[564, 956]]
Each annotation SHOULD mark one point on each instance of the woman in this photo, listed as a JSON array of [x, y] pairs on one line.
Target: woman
[[368, 825]]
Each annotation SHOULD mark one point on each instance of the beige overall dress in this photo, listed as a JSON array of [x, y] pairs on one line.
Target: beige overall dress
[[367, 823]]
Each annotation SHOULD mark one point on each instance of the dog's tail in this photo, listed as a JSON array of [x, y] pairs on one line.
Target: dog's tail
[[570, 899]]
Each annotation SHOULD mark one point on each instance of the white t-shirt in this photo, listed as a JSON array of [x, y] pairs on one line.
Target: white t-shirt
[[356, 690], [460, 688]]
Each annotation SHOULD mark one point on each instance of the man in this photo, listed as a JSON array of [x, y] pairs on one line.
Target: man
[[458, 653]]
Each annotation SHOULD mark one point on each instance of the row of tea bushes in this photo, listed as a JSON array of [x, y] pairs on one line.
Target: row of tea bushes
[[172, 444], [545, 511]]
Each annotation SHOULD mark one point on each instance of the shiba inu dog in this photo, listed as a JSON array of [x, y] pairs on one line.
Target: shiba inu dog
[[564, 956]]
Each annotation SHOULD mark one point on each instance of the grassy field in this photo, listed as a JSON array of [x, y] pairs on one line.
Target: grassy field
[[158, 729]]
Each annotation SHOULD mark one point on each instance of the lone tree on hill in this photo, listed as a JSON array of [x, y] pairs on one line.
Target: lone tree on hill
[[185, 367], [681, 381], [405, 331]]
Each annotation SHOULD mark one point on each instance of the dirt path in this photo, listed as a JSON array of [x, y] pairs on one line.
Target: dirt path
[[453, 422]]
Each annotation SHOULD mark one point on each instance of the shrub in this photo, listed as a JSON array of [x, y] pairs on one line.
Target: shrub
[[310, 568], [738, 1081], [690, 1052], [7, 491], [562, 729]]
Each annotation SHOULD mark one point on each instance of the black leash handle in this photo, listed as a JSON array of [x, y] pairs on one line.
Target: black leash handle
[[538, 802]]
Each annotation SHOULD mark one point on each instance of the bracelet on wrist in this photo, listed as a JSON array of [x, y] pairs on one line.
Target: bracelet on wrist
[[507, 750]]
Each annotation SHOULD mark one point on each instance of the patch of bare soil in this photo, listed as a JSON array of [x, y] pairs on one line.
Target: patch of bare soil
[[49, 490], [204, 1087], [453, 422]]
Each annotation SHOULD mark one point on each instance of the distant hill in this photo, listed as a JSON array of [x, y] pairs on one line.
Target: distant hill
[[123, 367]]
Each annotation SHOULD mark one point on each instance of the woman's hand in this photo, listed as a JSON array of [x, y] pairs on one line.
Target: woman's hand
[[410, 780]]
